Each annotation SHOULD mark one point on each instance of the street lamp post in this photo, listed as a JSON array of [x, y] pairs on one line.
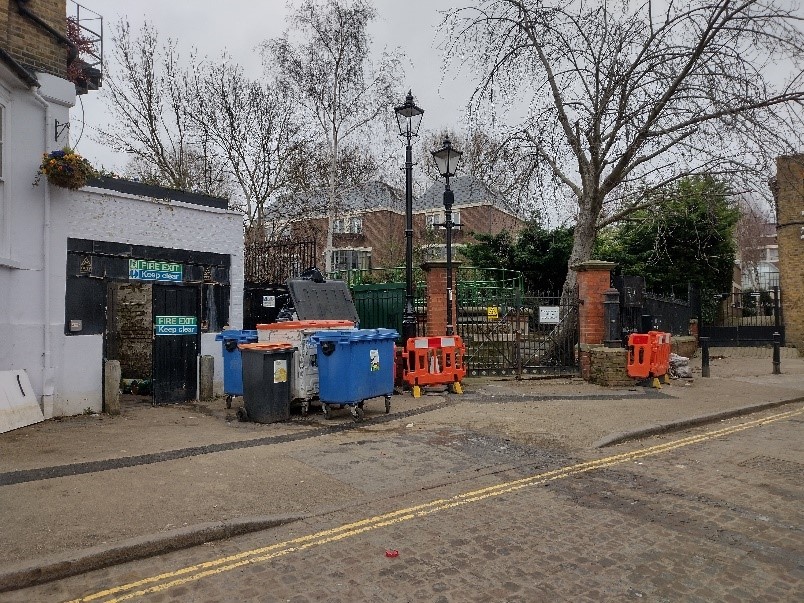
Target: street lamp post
[[408, 118], [446, 159]]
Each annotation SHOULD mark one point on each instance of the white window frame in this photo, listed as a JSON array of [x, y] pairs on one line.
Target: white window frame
[[364, 254]]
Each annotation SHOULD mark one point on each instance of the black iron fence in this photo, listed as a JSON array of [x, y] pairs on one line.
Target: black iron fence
[[745, 318], [273, 263], [642, 311], [514, 333]]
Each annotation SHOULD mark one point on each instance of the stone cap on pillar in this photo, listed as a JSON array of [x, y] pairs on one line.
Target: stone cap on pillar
[[593, 265], [427, 266]]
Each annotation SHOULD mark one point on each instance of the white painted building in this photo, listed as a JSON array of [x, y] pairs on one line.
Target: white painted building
[[63, 252]]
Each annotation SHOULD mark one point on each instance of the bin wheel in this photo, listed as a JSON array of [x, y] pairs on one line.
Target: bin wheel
[[387, 404], [360, 405], [305, 408], [357, 413], [242, 414], [327, 411], [228, 401]]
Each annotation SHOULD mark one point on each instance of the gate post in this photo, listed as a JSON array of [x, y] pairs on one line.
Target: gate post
[[594, 279], [436, 274], [611, 313]]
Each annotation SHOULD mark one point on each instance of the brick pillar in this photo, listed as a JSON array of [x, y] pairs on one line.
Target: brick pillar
[[437, 297], [789, 193], [594, 279]]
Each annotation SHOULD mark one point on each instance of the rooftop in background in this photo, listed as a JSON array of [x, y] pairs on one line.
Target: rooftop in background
[[140, 189], [468, 191]]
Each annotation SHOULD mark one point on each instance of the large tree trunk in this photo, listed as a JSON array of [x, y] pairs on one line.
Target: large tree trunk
[[560, 351], [582, 244]]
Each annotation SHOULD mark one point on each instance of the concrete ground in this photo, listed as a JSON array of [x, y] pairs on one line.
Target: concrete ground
[[83, 492]]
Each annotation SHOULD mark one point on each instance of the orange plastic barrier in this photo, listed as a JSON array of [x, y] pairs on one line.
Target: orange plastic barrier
[[660, 352], [639, 355], [649, 355], [434, 361]]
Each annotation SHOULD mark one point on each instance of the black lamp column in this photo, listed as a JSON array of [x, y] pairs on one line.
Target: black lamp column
[[449, 201], [408, 118], [446, 159]]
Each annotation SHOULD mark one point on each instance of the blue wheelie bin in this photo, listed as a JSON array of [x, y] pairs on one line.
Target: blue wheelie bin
[[353, 366], [233, 361]]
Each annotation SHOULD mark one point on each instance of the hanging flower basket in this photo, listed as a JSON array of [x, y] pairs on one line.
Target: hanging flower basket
[[65, 168]]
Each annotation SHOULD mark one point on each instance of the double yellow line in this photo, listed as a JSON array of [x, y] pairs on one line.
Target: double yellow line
[[196, 572]]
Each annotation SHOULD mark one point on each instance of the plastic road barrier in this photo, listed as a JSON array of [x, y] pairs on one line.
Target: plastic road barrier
[[353, 366], [649, 356], [435, 361], [266, 382], [232, 360], [639, 355]]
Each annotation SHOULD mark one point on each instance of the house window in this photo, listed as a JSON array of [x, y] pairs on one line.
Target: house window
[[351, 259], [772, 254], [350, 225], [434, 218]]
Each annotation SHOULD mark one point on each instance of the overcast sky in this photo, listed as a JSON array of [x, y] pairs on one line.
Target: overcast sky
[[239, 26]]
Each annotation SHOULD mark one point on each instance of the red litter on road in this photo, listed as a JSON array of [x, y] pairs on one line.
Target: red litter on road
[[393, 553]]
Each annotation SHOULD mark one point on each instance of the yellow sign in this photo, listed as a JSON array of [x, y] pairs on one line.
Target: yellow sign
[[491, 313]]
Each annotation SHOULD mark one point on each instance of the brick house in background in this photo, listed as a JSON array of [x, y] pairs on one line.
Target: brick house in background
[[369, 228]]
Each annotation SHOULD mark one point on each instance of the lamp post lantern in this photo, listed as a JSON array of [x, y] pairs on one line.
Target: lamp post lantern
[[446, 159], [408, 118]]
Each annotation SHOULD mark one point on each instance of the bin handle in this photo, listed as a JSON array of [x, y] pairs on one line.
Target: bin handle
[[230, 345], [327, 347]]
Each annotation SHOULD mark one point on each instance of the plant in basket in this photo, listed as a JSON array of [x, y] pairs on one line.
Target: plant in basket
[[65, 168]]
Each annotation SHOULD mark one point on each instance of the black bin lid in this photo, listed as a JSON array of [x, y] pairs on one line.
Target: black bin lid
[[322, 301]]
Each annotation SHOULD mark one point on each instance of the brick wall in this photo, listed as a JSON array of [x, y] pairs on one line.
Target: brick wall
[[607, 366], [28, 43], [134, 330], [790, 220], [594, 278], [437, 298]]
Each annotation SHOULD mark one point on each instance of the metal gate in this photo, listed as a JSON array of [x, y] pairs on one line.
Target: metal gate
[[507, 332], [744, 319], [176, 342]]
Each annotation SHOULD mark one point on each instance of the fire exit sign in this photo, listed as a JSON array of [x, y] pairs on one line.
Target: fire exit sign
[[175, 325]]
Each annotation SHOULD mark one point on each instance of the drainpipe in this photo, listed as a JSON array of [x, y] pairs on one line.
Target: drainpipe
[[47, 365]]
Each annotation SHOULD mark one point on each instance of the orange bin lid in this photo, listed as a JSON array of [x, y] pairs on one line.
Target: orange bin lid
[[306, 324], [265, 346]]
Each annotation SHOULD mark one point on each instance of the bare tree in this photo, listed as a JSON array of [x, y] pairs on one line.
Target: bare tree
[[325, 58], [258, 133], [147, 96], [623, 98]]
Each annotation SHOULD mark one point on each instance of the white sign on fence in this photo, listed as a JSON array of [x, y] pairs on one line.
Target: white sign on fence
[[549, 315]]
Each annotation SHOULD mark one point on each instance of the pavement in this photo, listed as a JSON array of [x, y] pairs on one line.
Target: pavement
[[86, 492]]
